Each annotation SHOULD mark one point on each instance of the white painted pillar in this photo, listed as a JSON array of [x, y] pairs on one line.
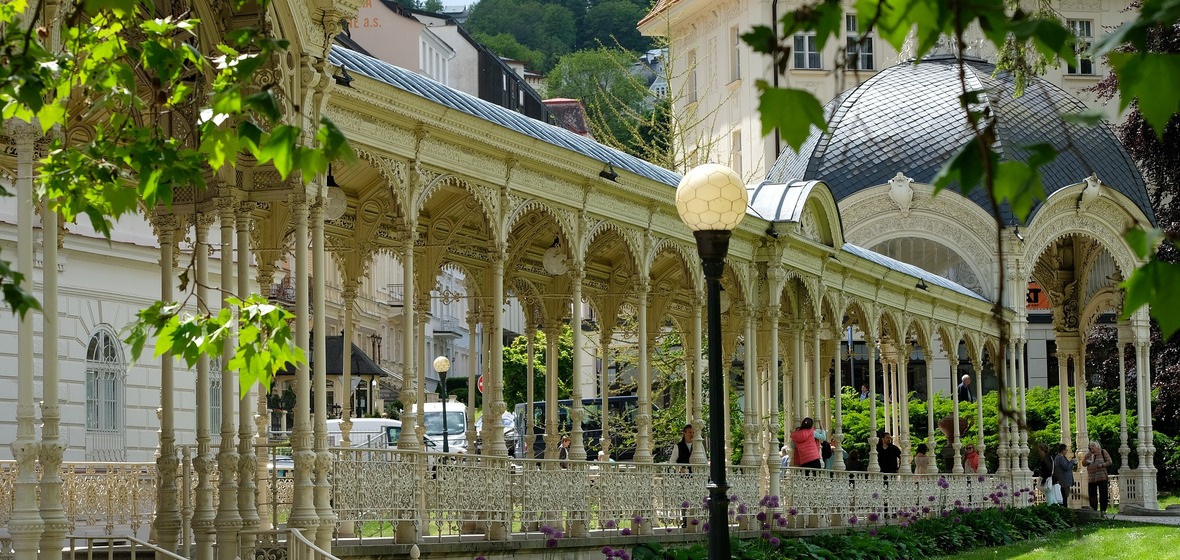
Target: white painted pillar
[[931, 425], [248, 464], [871, 346], [346, 392], [204, 515], [167, 464], [604, 336], [903, 414], [473, 373], [26, 524], [838, 427], [229, 520], [552, 381], [980, 446], [577, 438], [1124, 449], [1063, 395], [643, 442], [409, 439], [957, 445], [530, 333], [751, 446], [699, 457], [51, 448], [323, 464], [303, 512]]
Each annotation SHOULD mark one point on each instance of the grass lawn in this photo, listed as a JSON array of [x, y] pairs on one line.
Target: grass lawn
[[1100, 540]]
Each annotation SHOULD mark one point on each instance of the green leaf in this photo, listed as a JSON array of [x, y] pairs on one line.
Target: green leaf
[[761, 39], [1085, 117], [829, 20], [792, 111], [279, 148], [1152, 79], [966, 168]]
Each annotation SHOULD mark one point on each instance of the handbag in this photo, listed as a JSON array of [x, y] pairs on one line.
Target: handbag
[[1053, 496]]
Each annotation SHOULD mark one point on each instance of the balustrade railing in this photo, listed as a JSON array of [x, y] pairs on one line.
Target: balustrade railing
[[90, 547], [427, 496]]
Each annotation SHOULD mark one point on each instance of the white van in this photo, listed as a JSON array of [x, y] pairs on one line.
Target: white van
[[456, 429], [379, 433]]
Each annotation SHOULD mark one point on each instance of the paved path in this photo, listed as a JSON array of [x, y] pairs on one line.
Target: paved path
[[1156, 519]]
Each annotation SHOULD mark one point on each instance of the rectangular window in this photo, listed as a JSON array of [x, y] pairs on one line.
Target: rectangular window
[[858, 49], [691, 83], [735, 56], [806, 53], [1083, 65]]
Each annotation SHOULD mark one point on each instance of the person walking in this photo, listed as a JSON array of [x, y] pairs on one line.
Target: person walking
[[1063, 473], [1097, 463], [922, 459], [563, 452], [806, 450]]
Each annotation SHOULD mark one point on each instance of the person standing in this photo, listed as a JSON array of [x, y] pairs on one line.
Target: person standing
[[922, 459], [1063, 473], [888, 455], [1097, 463], [971, 459], [806, 450], [563, 452], [864, 392], [965, 394], [682, 452]]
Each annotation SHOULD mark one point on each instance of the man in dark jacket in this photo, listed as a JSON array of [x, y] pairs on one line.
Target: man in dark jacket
[[888, 455], [965, 394], [1063, 473], [682, 452]]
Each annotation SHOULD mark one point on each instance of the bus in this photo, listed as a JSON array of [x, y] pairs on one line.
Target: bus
[[622, 410]]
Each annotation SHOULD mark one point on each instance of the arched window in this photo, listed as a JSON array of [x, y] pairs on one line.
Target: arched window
[[106, 375]]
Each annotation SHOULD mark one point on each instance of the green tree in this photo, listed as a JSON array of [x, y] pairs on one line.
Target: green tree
[[506, 46], [615, 98], [434, 6], [516, 359], [613, 23], [548, 28], [135, 159]]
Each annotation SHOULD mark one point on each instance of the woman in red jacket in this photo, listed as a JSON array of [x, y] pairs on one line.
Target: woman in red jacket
[[806, 448]]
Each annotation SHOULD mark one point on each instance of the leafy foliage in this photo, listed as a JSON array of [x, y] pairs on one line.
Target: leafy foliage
[[136, 158]]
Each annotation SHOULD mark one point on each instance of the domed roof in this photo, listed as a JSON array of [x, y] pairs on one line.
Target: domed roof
[[907, 119]]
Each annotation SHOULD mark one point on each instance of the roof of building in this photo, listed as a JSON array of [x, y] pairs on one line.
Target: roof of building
[[362, 364], [429, 89], [925, 276], [908, 119]]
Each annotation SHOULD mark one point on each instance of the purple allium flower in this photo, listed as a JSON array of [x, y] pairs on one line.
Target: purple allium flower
[[624, 556], [610, 524], [875, 496], [481, 558], [668, 530], [946, 514], [931, 498], [958, 503], [765, 526], [905, 524], [545, 529], [764, 501], [942, 483], [873, 517], [775, 542], [958, 520], [852, 520], [551, 543], [765, 535], [982, 478], [872, 532], [776, 515], [761, 516], [925, 509], [607, 551], [793, 511], [685, 504], [739, 518], [637, 519], [730, 511], [625, 532], [1000, 508], [742, 508], [695, 522], [558, 534], [733, 498], [782, 522], [705, 527]]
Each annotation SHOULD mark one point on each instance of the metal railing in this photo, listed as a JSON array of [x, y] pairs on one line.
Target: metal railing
[[91, 547]]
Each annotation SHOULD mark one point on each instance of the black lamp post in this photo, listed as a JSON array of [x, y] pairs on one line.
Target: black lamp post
[[442, 365], [712, 200]]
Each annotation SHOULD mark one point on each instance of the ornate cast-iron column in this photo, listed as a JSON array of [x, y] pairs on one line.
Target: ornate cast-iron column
[[1023, 390], [699, 457], [957, 443], [837, 433], [552, 379], [931, 425], [577, 438], [421, 317], [495, 439], [643, 418], [51, 449], [980, 446], [903, 414], [349, 296], [1063, 390], [167, 512], [26, 524], [262, 416], [871, 346], [204, 515], [323, 463], [530, 332], [604, 336], [228, 522], [751, 445], [409, 439], [774, 376], [303, 511], [1124, 449], [472, 373], [247, 458]]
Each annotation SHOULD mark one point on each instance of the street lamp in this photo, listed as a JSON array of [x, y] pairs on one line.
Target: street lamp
[[442, 365], [711, 200]]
